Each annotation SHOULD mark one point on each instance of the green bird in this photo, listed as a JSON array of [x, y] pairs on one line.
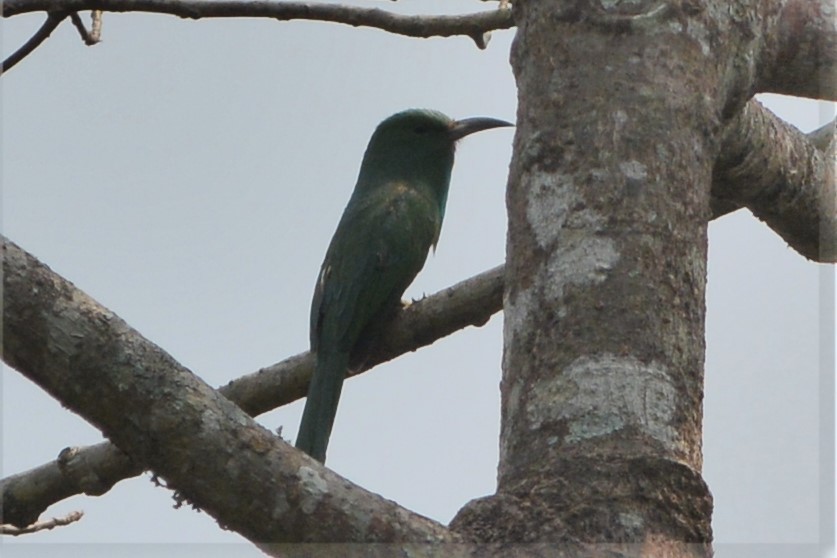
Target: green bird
[[392, 219]]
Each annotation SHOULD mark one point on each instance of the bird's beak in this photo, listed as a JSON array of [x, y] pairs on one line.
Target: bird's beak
[[461, 128]]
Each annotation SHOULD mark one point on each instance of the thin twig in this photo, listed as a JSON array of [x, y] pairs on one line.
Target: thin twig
[[52, 21], [86, 36], [41, 525], [473, 25], [96, 29]]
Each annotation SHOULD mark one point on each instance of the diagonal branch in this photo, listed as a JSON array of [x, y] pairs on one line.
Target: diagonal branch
[[41, 525], [474, 25], [800, 54], [157, 411], [763, 161], [95, 469], [91, 470], [784, 177], [748, 173], [52, 21], [468, 303]]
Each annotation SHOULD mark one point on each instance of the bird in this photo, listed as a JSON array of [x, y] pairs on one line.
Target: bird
[[392, 220]]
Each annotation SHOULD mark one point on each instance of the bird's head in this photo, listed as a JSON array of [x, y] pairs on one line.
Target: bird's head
[[418, 144], [425, 131]]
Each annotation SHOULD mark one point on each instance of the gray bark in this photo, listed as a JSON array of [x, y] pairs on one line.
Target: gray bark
[[620, 118], [162, 415], [635, 127]]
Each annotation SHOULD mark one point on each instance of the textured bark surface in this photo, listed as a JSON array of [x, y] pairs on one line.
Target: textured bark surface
[[93, 470], [619, 121], [783, 177], [800, 58], [162, 415], [635, 126]]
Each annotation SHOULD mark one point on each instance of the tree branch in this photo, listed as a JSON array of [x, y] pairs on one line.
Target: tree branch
[[95, 469], [474, 25], [470, 302], [93, 36], [72, 517], [52, 21], [161, 414], [91, 470], [782, 177], [762, 158], [800, 55]]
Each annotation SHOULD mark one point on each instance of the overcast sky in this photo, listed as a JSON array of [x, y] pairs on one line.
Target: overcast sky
[[188, 175]]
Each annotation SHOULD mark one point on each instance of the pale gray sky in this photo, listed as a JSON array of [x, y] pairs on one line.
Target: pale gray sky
[[188, 175]]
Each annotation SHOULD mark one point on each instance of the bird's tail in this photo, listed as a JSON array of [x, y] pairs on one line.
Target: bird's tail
[[321, 404]]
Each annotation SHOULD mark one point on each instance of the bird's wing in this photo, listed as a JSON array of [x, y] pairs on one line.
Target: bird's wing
[[380, 245]]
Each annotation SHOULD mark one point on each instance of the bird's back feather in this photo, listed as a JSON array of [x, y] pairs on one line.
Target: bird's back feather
[[380, 245]]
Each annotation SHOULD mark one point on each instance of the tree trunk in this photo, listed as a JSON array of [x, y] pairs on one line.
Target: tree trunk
[[625, 107], [619, 123]]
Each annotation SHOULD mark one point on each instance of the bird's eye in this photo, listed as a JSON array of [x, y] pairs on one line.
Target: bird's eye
[[420, 129]]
